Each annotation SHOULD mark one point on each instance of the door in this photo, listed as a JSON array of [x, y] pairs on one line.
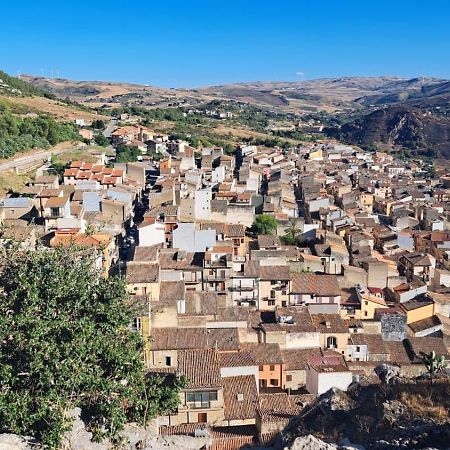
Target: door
[[202, 418]]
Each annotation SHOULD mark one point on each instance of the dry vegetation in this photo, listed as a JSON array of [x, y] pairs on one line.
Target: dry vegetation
[[433, 403], [57, 109], [10, 181]]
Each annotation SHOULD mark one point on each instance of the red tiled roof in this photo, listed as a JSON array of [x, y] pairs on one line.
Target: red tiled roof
[[240, 397]]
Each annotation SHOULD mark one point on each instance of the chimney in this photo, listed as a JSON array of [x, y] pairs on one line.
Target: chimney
[[327, 323]]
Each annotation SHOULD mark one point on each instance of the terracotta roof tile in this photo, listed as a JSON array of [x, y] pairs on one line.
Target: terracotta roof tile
[[263, 353], [237, 359], [310, 283], [200, 367], [178, 338], [224, 339], [141, 273], [240, 397]]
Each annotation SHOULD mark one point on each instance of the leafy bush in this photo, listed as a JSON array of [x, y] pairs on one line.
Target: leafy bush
[[65, 342], [264, 224], [19, 134], [125, 153], [101, 140]]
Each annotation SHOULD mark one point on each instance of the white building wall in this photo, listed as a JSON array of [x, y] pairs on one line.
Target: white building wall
[[152, 234], [203, 204]]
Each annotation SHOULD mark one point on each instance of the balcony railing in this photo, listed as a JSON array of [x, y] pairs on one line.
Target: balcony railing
[[198, 405]]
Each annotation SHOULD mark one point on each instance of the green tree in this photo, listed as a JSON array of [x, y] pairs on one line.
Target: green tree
[[264, 224], [101, 140], [125, 153], [293, 228], [287, 239], [98, 124], [65, 341]]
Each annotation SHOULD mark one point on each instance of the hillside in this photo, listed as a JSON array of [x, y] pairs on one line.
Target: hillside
[[330, 94], [409, 91], [33, 119], [417, 130], [411, 113]]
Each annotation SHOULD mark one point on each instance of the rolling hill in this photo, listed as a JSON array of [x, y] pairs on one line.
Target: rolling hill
[[411, 113], [417, 130]]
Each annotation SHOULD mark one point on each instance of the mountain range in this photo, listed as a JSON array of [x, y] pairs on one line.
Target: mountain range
[[411, 113]]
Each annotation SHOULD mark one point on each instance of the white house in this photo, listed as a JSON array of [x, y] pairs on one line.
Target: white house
[[151, 234], [322, 377]]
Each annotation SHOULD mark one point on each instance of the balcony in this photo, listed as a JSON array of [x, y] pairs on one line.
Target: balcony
[[242, 288], [215, 278]]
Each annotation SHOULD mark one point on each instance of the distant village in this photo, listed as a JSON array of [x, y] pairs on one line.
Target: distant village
[[356, 270]]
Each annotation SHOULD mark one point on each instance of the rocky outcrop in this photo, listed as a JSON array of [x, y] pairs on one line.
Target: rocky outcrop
[[310, 442], [401, 415], [14, 442], [387, 373], [131, 438]]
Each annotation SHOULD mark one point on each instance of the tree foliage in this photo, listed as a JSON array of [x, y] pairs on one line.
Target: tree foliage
[[126, 153], [101, 140], [18, 134], [264, 224], [98, 124], [65, 342]]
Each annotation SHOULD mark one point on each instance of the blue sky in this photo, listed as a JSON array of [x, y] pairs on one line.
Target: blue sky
[[198, 42]]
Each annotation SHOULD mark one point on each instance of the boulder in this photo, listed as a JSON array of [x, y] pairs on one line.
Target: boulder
[[387, 373], [14, 442], [310, 442]]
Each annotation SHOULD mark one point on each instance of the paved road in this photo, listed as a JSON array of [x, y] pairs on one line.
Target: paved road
[[112, 125]]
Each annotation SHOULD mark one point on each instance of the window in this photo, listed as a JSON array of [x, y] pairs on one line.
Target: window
[[272, 368], [168, 361], [366, 313], [273, 283], [273, 382], [54, 212], [283, 292], [202, 418], [271, 302], [262, 383], [331, 342], [358, 348], [136, 326], [197, 400], [261, 368], [288, 377]]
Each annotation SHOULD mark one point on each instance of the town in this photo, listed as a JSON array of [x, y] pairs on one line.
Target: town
[[266, 276]]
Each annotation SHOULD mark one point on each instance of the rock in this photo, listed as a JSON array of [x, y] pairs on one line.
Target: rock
[[133, 437], [78, 438], [393, 411], [387, 373], [310, 442], [14, 442]]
